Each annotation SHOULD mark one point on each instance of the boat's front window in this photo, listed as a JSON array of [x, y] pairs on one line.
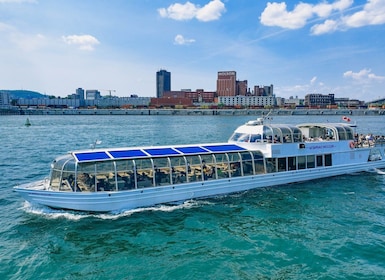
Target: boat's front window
[[63, 173], [235, 136], [255, 138], [240, 137]]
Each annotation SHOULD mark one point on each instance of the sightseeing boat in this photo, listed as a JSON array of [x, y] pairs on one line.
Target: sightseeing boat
[[258, 154]]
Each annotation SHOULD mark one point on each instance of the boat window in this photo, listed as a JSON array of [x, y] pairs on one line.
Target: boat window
[[236, 136], [297, 134], [235, 165], [277, 135], [247, 163], [310, 161], [329, 134], [55, 179], [194, 168], [86, 179], [125, 174], [244, 138], [271, 165], [328, 160], [178, 169], [222, 165], [281, 164], [255, 138], [319, 161], [259, 163], [301, 162], [144, 173], [349, 133], [341, 133], [208, 167], [267, 134], [105, 176], [291, 163], [286, 135], [162, 171]]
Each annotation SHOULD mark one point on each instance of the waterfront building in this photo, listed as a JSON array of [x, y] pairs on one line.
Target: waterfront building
[[242, 88], [4, 99], [198, 96], [319, 100], [163, 82], [226, 83], [92, 94], [248, 101], [263, 90]]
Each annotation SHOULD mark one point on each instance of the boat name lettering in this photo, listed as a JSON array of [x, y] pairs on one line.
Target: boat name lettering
[[326, 146]]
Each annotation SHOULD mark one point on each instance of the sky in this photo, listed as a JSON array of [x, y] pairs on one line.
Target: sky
[[300, 47]]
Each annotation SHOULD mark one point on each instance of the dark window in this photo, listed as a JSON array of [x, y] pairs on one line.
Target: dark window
[[291, 164], [319, 161], [328, 160]]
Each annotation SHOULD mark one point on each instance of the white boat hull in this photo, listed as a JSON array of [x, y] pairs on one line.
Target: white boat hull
[[130, 199]]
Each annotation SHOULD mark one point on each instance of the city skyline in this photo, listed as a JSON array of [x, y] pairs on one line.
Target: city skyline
[[300, 47]]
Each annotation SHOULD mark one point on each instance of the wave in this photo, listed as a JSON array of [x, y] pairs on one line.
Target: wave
[[51, 213]]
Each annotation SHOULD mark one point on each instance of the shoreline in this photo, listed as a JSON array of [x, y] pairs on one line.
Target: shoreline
[[184, 112]]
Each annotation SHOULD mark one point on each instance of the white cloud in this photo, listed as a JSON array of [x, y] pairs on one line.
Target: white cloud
[[373, 13], [211, 11], [364, 75], [180, 40], [85, 42], [277, 14], [313, 80], [328, 26]]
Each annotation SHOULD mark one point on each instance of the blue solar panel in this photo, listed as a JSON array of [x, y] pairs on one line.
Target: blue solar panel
[[127, 154], [162, 152], [140, 153], [91, 156], [224, 148], [191, 150]]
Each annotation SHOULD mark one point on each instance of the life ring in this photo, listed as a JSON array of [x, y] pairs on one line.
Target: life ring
[[351, 144], [346, 119]]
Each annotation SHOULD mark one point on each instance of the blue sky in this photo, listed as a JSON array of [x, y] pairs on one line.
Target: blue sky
[[300, 47]]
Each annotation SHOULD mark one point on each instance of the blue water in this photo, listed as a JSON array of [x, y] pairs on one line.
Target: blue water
[[324, 229]]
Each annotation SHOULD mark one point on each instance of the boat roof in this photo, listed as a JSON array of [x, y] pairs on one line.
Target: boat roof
[[128, 153]]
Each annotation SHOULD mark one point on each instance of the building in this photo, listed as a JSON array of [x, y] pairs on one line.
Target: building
[[318, 100], [4, 99], [92, 94], [226, 83], [198, 96], [163, 82], [242, 88], [248, 101], [264, 90]]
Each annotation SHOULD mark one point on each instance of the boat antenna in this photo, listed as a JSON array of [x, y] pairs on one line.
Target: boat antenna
[[267, 116], [97, 142]]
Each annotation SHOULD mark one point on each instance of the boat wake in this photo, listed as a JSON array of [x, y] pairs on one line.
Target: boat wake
[[378, 171], [75, 215]]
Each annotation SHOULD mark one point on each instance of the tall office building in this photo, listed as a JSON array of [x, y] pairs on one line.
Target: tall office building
[[226, 83], [163, 82]]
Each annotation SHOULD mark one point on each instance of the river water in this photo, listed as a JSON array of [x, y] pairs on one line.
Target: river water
[[324, 229]]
